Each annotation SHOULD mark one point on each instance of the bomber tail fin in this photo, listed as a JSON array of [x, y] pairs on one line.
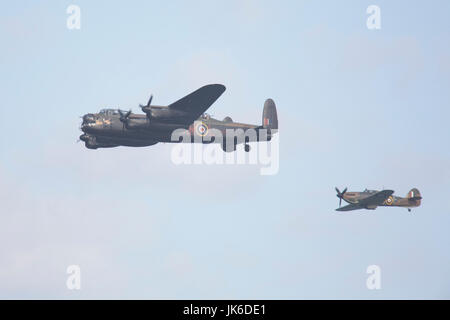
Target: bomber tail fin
[[270, 118]]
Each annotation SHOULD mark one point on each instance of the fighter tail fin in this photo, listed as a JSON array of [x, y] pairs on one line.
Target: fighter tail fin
[[414, 195]]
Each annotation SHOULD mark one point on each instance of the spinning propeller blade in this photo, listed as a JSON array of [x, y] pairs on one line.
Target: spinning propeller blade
[[148, 103], [340, 195], [124, 117], [147, 109], [150, 100]]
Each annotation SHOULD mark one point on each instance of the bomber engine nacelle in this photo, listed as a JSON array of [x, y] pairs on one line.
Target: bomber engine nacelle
[[164, 113], [159, 112], [147, 109]]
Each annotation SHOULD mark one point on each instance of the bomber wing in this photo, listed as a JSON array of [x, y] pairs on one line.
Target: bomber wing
[[197, 102]]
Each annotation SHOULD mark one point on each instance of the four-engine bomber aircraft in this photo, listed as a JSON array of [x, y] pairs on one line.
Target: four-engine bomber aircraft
[[114, 127], [371, 199]]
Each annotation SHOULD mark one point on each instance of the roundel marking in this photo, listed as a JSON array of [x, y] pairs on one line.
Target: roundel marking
[[201, 129], [390, 200]]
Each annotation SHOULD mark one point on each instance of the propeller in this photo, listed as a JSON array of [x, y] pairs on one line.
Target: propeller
[[147, 108], [124, 117], [340, 195]]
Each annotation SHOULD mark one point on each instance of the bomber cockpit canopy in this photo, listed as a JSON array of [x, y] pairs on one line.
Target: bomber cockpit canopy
[[110, 111]]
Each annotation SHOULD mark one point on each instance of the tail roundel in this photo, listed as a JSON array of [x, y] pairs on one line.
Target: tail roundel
[[270, 118]]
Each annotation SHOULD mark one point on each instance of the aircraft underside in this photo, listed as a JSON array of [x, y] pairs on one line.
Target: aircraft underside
[[98, 141]]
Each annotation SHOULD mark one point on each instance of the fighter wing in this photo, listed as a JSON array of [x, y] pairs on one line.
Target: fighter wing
[[352, 206], [373, 200], [196, 103], [376, 199]]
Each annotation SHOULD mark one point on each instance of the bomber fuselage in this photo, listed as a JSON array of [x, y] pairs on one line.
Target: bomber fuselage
[[184, 120], [105, 129]]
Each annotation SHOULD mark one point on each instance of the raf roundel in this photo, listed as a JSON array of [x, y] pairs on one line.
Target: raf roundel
[[201, 129], [389, 200]]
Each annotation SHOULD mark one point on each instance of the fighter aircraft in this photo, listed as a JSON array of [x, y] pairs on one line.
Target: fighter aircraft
[[115, 127], [371, 199]]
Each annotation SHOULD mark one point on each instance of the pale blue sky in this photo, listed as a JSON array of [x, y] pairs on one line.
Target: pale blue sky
[[357, 108]]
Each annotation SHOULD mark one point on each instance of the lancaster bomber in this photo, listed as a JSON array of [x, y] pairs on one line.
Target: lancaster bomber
[[371, 199], [115, 127]]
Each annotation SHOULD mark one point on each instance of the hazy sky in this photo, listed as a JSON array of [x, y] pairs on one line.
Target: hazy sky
[[357, 108]]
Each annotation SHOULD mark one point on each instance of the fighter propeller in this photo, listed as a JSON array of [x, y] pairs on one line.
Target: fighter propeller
[[340, 195]]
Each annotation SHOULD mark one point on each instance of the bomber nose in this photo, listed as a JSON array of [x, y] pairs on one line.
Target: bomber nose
[[88, 121], [88, 118]]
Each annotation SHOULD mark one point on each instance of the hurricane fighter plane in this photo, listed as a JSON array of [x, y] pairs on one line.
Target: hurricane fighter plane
[[371, 199], [115, 127]]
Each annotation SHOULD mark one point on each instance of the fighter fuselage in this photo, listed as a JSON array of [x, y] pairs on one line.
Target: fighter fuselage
[[412, 200]]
